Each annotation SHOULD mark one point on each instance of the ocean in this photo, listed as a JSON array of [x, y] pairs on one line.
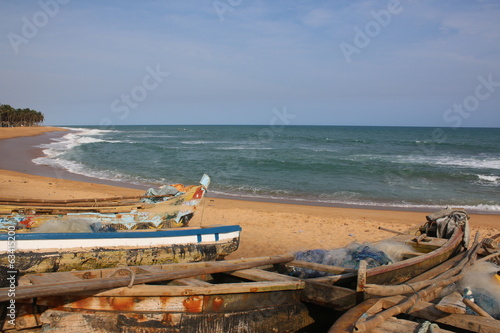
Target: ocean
[[390, 167]]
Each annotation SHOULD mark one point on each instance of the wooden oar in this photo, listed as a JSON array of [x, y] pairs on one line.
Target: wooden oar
[[72, 287]]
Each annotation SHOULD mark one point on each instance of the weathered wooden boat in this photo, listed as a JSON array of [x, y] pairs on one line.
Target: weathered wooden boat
[[50, 252], [152, 211], [204, 297], [444, 235], [422, 298]]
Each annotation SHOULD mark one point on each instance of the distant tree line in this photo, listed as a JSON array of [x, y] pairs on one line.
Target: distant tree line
[[10, 117]]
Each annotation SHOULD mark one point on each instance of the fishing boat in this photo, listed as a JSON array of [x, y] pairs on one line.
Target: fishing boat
[[49, 252], [204, 297], [169, 207], [461, 294], [444, 235], [33, 241]]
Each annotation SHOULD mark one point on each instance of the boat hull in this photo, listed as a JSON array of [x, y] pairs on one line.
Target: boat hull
[[279, 311], [37, 253], [211, 298], [342, 292], [172, 213]]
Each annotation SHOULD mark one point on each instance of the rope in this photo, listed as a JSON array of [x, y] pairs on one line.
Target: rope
[[127, 270], [414, 293], [427, 326]]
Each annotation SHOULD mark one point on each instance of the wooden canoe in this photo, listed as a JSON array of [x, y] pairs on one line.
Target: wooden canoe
[[204, 297], [105, 214], [49, 252], [343, 289], [419, 298]]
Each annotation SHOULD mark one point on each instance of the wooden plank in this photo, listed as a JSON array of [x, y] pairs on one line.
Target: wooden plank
[[36, 279], [161, 268], [360, 285], [336, 278], [71, 287], [321, 267], [190, 282], [335, 297], [75, 201], [428, 243], [65, 210], [393, 325], [426, 310], [452, 303], [433, 272], [411, 254], [254, 274], [345, 324], [145, 290]]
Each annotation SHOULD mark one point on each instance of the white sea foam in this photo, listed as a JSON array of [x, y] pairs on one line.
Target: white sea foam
[[254, 193], [491, 179], [76, 137], [243, 148], [55, 150], [202, 142], [464, 162]]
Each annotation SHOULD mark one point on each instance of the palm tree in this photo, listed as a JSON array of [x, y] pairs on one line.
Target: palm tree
[[19, 117]]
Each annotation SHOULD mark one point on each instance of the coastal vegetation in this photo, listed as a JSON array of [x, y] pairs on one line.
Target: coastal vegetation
[[11, 117]]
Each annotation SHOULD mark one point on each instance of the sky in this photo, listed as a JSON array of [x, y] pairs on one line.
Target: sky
[[380, 63]]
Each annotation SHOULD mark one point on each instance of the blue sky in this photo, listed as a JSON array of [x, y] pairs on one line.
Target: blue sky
[[409, 63]]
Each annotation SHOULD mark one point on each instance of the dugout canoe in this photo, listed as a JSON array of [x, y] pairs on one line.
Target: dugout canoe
[[205, 297], [420, 298], [444, 235], [152, 211]]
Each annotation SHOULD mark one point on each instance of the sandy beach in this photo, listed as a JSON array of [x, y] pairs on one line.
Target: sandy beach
[[268, 228]]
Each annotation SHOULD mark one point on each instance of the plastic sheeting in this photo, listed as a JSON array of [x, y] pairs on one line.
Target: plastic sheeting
[[164, 190], [442, 224]]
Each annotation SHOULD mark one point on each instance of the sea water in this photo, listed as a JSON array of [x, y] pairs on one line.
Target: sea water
[[393, 167]]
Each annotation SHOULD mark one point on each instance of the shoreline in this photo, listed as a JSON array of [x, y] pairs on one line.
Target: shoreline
[[23, 149], [269, 227]]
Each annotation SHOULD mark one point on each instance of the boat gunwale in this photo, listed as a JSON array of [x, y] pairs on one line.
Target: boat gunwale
[[173, 232], [447, 248]]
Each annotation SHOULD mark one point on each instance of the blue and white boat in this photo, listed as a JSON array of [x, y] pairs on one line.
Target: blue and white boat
[[51, 252]]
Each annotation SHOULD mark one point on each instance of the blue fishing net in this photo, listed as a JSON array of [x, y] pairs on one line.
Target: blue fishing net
[[348, 257], [485, 301]]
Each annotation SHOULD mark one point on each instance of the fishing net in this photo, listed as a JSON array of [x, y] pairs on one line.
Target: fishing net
[[486, 301], [348, 257]]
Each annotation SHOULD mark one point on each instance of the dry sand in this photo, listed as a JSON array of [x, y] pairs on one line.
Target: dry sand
[[15, 132], [268, 228]]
